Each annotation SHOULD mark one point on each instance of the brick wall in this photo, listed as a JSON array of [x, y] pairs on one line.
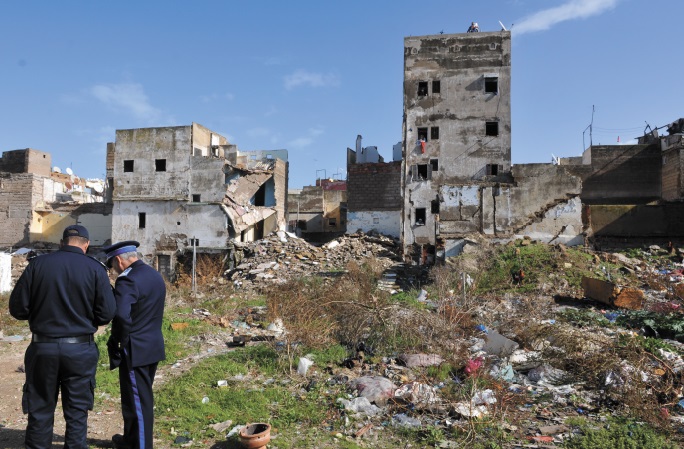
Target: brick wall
[[374, 186], [16, 206], [26, 161]]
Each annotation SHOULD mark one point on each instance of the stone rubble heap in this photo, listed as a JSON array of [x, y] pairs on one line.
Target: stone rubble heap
[[283, 256]]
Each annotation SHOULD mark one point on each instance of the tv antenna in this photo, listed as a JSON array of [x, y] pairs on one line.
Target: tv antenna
[[503, 28]]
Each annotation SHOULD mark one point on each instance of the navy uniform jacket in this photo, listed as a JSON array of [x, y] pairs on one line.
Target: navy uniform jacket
[[63, 294], [140, 292]]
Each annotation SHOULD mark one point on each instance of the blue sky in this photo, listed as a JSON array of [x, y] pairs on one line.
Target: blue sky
[[308, 76]]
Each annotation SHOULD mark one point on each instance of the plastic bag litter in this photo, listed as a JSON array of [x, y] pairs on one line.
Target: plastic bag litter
[[304, 365], [360, 405]]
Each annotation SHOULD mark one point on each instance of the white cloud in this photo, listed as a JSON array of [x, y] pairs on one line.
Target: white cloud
[[302, 77], [127, 97], [306, 140], [572, 9]]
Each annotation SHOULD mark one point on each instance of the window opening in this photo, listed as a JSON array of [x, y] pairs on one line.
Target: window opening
[[332, 221], [434, 163], [492, 170], [260, 196], [434, 206], [160, 164], [422, 134], [434, 133], [301, 224], [492, 128], [436, 87], [491, 85], [420, 216], [141, 220], [422, 88], [196, 198], [128, 166], [194, 242], [423, 172]]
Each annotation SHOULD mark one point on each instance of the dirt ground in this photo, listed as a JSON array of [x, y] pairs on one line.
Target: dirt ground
[[102, 423]]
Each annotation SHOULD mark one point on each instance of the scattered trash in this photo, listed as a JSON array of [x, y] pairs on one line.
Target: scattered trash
[[418, 360], [473, 365], [360, 405], [376, 389], [222, 426], [205, 400], [222, 383], [497, 344], [403, 420], [417, 393]]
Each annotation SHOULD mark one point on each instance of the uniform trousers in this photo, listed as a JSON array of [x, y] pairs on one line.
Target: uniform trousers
[[51, 367], [137, 403]]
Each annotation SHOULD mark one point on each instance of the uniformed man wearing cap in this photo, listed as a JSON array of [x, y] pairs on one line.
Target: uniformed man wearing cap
[[136, 345], [64, 296]]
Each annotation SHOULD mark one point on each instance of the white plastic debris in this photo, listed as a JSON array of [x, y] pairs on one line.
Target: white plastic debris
[[360, 405], [304, 365]]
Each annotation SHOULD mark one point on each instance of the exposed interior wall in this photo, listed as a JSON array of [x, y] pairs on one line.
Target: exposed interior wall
[[383, 222], [636, 220]]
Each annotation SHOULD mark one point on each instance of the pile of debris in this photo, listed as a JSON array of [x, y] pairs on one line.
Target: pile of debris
[[283, 256]]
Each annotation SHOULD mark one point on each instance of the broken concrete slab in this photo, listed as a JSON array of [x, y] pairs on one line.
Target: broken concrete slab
[[610, 294]]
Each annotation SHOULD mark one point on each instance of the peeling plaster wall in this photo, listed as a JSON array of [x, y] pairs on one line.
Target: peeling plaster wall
[[384, 222], [169, 225]]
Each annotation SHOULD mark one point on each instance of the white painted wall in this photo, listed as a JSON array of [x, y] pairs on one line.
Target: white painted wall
[[384, 222], [5, 272]]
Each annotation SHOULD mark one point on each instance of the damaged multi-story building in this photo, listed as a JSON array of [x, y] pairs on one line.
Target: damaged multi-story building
[[179, 187], [37, 201], [457, 177]]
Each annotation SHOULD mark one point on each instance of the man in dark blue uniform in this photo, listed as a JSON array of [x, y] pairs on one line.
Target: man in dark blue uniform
[[136, 345], [64, 296]]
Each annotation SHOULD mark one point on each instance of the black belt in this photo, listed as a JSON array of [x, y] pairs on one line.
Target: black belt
[[43, 339]]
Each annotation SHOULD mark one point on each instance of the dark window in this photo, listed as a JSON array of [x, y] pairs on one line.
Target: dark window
[[420, 216], [128, 166], [493, 169], [434, 133], [434, 163], [422, 134], [194, 242], [160, 164], [423, 172], [434, 206], [141, 220], [491, 85], [178, 223], [332, 221], [422, 88], [492, 129], [436, 87], [196, 198], [301, 224]]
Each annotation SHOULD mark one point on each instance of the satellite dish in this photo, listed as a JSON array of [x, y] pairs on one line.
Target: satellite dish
[[99, 188], [56, 169], [503, 28], [69, 171]]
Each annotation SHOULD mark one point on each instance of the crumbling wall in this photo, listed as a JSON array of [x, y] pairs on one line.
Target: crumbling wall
[[636, 220]]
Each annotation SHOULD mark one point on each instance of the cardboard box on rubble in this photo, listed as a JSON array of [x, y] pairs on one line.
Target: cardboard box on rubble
[[611, 294]]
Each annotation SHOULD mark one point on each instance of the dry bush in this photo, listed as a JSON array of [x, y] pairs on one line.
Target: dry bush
[[353, 311], [208, 269]]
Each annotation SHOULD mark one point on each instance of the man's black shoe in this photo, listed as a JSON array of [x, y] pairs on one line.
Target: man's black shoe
[[119, 442]]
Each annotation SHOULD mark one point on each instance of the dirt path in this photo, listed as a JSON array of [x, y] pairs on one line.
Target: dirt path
[[102, 422]]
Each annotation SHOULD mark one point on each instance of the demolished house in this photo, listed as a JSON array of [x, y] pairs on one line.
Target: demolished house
[[184, 187], [37, 201]]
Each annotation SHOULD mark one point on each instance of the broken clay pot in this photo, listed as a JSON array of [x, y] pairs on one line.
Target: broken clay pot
[[255, 436]]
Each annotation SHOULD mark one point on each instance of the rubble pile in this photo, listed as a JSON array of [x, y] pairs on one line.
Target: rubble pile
[[283, 256]]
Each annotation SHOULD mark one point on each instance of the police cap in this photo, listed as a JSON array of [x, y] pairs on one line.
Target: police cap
[[127, 246], [75, 231]]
